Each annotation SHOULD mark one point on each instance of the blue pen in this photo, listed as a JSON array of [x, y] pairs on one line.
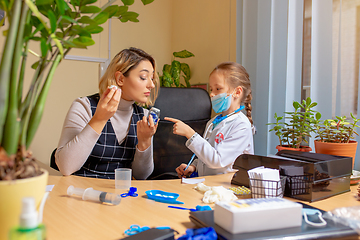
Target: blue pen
[[191, 160]]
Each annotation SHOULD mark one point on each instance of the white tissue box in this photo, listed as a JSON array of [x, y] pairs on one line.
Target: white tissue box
[[257, 214]]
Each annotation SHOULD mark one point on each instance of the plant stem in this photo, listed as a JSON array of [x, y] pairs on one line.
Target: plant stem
[[40, 103], [6, 63]]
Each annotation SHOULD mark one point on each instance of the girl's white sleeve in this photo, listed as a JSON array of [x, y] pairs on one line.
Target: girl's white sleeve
[[236, 142]]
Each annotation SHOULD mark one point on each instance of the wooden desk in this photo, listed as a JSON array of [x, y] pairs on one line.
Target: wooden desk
[[72, 218]]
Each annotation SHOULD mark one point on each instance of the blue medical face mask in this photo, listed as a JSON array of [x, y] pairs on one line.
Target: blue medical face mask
[[221, 102]]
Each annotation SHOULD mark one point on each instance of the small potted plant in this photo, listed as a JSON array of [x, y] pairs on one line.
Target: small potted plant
[[335, 136], [295, 127]]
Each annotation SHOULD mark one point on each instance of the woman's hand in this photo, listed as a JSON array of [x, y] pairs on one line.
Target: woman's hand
[[181, 128], [181, 170], [105, 109], [145, 130]]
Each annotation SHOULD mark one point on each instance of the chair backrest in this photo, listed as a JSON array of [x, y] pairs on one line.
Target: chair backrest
[[190, 105], [52, 160]]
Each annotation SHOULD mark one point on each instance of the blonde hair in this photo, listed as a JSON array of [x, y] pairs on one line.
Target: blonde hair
[[124, 62], [236, 75]]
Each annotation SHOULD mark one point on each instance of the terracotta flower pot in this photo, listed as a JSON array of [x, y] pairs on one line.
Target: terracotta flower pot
[[338, 149], [12, 192], [301, 149]]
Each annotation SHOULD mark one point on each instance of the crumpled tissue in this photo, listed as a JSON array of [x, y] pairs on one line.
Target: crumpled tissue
[[215, 194]]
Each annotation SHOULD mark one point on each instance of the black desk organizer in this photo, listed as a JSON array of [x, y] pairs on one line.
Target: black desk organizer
[[322, 175]]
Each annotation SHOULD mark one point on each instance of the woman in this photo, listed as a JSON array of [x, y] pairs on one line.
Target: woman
[[108, 130]]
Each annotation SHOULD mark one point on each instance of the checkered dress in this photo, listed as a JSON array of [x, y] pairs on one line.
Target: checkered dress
[[107, 154]]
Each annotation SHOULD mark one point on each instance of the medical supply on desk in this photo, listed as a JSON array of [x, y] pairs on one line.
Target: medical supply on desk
[[159, 233], [29, 227], [155, 114], [135, 229], [206, 233], [161, 196], [198, 208], [94, 195], [308, 212], [240, 190], [132, 192], [257, 214], [215, 194]]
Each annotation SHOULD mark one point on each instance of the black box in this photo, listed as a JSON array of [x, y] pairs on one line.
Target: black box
[[310, 176]]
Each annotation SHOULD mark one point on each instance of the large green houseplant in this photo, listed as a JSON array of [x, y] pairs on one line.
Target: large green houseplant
[[172, 73], [56, 26], [294, 128]]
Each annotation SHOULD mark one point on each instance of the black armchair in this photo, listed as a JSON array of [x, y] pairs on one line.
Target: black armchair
[[190, 105]]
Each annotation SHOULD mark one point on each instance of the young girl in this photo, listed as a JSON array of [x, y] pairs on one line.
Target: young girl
[[227, 135], [108, 130]]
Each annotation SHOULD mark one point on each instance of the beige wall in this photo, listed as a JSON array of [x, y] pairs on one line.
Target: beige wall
[[204, 27]]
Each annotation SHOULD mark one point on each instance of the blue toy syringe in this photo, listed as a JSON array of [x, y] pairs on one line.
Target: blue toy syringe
[[94, 195]]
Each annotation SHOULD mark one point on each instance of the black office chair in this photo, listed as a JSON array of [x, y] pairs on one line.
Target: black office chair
[[52, 160], [190, 105]]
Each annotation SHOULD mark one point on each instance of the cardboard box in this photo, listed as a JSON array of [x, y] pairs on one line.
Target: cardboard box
[[258, 214]]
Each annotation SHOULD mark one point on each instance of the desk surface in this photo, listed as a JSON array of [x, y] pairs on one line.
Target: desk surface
[[72, 218]]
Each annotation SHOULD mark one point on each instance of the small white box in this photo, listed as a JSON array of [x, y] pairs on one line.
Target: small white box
[[257, 214]]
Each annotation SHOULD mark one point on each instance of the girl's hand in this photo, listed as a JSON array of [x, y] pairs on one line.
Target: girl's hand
[[105, 109], [181, 128], [181, 170], [145, 130]]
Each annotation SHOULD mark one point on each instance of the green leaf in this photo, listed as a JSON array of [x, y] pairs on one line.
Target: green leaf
[[75, 2], [167, 79], [186, 70], [93, 29], [83, 41], [61, 5], [175, 72], [43, 2], [296, 105], [86, 2], [86, 20], [68, 44], [145, 2], [128, 2], [166, 68], [129, 16], [69, 19], [121, 10], [111, 10], [44, 47], [90, 9], [52, 19], [35, 65], [101, 18], [183, 54]]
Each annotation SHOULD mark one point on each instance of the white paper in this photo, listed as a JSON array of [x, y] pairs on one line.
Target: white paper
[[267, 188], [192, 180], [49, 188]]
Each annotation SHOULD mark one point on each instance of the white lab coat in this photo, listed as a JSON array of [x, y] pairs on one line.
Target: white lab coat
[[218, 149]]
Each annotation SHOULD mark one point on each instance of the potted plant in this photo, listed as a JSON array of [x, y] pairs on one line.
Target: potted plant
[[335, 136], [295, 127], [172, 73], [57, 26]]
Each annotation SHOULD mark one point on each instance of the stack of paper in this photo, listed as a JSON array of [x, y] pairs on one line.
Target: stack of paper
[[265, 182]]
